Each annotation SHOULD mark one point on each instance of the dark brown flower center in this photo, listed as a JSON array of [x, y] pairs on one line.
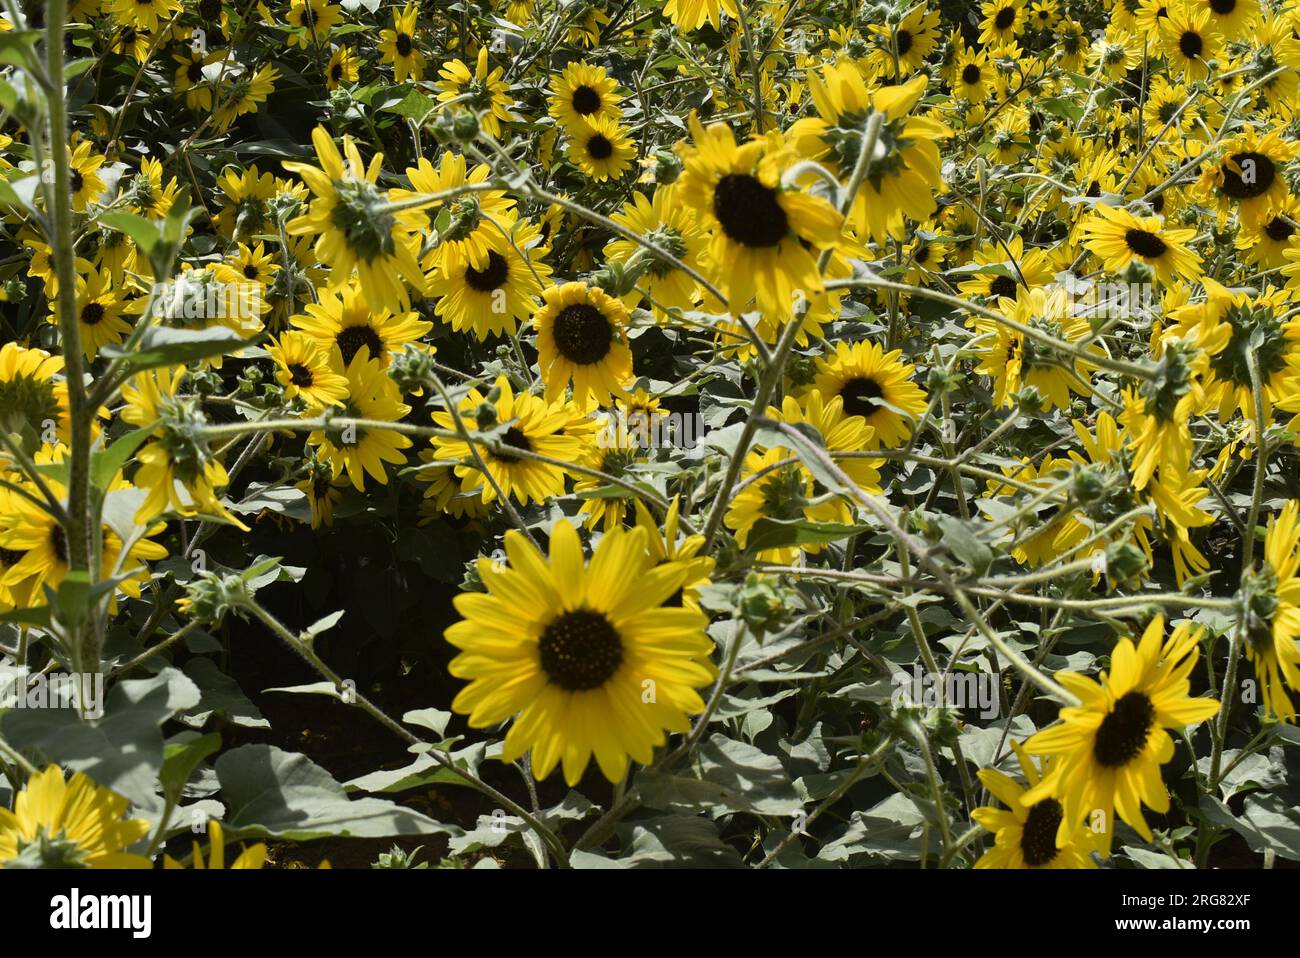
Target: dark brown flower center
[[749, 212], [59, 543], [583, 334], [350, 339], [514, 437], [599, 147], [1279, 230], [1003, 286], [1145, 244], [580, 650], [1223, 6], [300, 375], [1191, 44], [970, 74], [1256, 176], [92, 314], [491, 277], [904, 41], [1123, 733], [860, 395], [403, 45], [1005, 18], [1038, 837], [586, 101]]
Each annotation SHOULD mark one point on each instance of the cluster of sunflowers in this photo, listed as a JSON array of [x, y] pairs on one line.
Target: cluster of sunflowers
[[989, 320]]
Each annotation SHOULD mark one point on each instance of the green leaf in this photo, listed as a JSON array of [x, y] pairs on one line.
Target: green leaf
[[165, 346], [106, 463], [181, 757], [20, 192], [733, 777], [778, 533], [123, 750], [961, 540], [271, 793], [145, 234]]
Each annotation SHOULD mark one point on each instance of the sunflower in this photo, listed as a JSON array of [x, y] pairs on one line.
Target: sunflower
[[142, 14], [758, 228], [583, 92], [582, 337], [688, 15], [32, 532], [1048, 542], [99, 312], [189, 78], [875, 385], [486, 92], [353, 228], [468, 226], [356, 451], [772, 487], [28, 396], [244, 197], [1071, 45], [1233, 326], [323, 490], [665, 223], [1118, 238], [1188, 42], [1272, 598], [493, 300], [613, 455], [533, 425], [83, 168], [248, 265], [1018, 270], [1229, 17], [250, 859], [1044, 14], [908, 42], [302, 367], [840, 432], [1017, 361], [1248, 173], [1025, 833], [1116, 52], [972, 75], [1109, 749], [245, 94], [667, 545], [397, 46], [442, 495], [129, 41], [585, 656], [69, 823], [343, 69], [172, 454], [1003, 20], [1265, 243], [905, 173], [311, 20], [601, 148], [345, 319]]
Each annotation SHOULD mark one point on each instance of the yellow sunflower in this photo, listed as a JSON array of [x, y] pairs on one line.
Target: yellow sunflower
[[100, 308], [533, 425], [1119, 238], [487, 94], [1025, 832], [758, 227], [1272, 597], [874, 385], [397, 46], [582, 338], [345, 319], [688, 15], [601, 148], [302, 367], [1108, 750], [354, 229], [583, 91], [495, 299], [69, 823], [356, 451], [585, 656]]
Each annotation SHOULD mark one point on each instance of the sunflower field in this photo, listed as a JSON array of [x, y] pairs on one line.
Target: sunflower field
[[612, 433]]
